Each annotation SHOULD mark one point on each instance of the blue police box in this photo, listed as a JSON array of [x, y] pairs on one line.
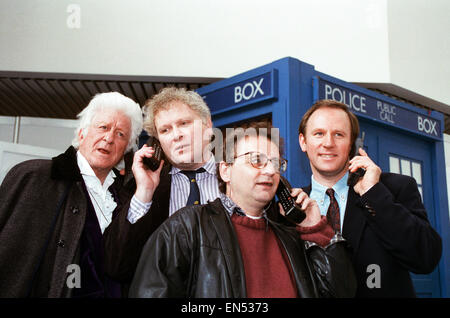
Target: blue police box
[[399, 137]]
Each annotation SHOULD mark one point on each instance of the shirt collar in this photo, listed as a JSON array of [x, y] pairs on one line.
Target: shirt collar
[[89, 175], [340, 188], [209, 166], [232, 207]]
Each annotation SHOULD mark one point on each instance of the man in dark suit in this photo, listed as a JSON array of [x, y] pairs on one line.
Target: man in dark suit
[[53, 213], [382, 216], [181, 121]]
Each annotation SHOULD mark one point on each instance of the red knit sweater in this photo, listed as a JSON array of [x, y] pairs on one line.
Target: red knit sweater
[[268, 273]]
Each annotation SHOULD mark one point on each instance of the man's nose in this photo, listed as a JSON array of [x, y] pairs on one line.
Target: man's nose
[[269, 169], [177, 133], [109, 136], [328, 140]]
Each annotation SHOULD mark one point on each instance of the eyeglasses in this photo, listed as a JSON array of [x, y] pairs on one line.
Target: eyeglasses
[[260, 160]]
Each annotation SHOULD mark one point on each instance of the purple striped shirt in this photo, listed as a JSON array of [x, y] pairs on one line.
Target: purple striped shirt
[[179, 191]]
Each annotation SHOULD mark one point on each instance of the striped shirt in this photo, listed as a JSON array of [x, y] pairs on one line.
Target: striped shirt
[[179, 191]]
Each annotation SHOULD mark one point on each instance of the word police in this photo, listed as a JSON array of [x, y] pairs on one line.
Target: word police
[[352, 100]]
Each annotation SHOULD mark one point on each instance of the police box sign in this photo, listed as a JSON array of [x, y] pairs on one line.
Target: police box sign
[[249, 91], [380, 110]]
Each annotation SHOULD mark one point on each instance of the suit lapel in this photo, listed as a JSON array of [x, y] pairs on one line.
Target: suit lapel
[[164, 189], [354, 220], [161, 204]]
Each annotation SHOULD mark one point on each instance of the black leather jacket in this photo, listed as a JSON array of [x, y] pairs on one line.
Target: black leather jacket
[[195, 253]]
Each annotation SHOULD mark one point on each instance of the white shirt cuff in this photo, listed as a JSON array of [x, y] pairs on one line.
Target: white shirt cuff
[[137, 209]]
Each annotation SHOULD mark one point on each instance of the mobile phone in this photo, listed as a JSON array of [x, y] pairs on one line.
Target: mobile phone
[[153, 162], [292, 210], [353, 177]]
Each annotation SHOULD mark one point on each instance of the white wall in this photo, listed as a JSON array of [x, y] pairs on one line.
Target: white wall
[[12, 154], [37, 138], [419, 46], [47, 132], [6, 129], [400, 42], [220, 38], [39, 132]]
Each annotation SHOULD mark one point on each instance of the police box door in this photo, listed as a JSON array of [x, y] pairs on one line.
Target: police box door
[[407, 155]]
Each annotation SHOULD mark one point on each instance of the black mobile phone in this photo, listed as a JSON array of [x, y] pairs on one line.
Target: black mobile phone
[[292, 210], [153, 162], [353, 177]]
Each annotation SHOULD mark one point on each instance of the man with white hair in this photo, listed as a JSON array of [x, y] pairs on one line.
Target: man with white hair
[[53, 212]]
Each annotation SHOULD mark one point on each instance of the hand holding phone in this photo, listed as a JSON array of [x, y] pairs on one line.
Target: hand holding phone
[[354, 177], [293, 211], [367, 173], [153, 162], [146, 170]]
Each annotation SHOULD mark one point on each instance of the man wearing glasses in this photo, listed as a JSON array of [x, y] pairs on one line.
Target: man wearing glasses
[[230, 248]]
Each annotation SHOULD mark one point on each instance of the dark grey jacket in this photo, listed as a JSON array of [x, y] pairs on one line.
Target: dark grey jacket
[[195, 253], [29, 197]]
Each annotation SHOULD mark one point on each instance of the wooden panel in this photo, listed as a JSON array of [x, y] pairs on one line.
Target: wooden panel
[[61, 95], [139, 92], [59, 104], [21, 108]]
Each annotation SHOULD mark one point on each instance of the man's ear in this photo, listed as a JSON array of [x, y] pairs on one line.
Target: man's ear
[[209, 130], [209, 123], [302, 142], [225, 171], [80, 135]]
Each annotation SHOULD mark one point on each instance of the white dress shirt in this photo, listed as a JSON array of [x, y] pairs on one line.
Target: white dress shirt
[[101, 198]]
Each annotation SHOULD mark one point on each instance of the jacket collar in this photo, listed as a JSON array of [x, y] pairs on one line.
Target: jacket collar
[[354, 220], [231, 207], [65, 166], [223, 226], [162, 192]]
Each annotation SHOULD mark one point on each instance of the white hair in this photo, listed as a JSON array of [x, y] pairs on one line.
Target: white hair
[[111, 100]]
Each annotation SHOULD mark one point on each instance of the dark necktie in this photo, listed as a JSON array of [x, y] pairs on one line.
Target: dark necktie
[[194, 192], [333, 216]]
